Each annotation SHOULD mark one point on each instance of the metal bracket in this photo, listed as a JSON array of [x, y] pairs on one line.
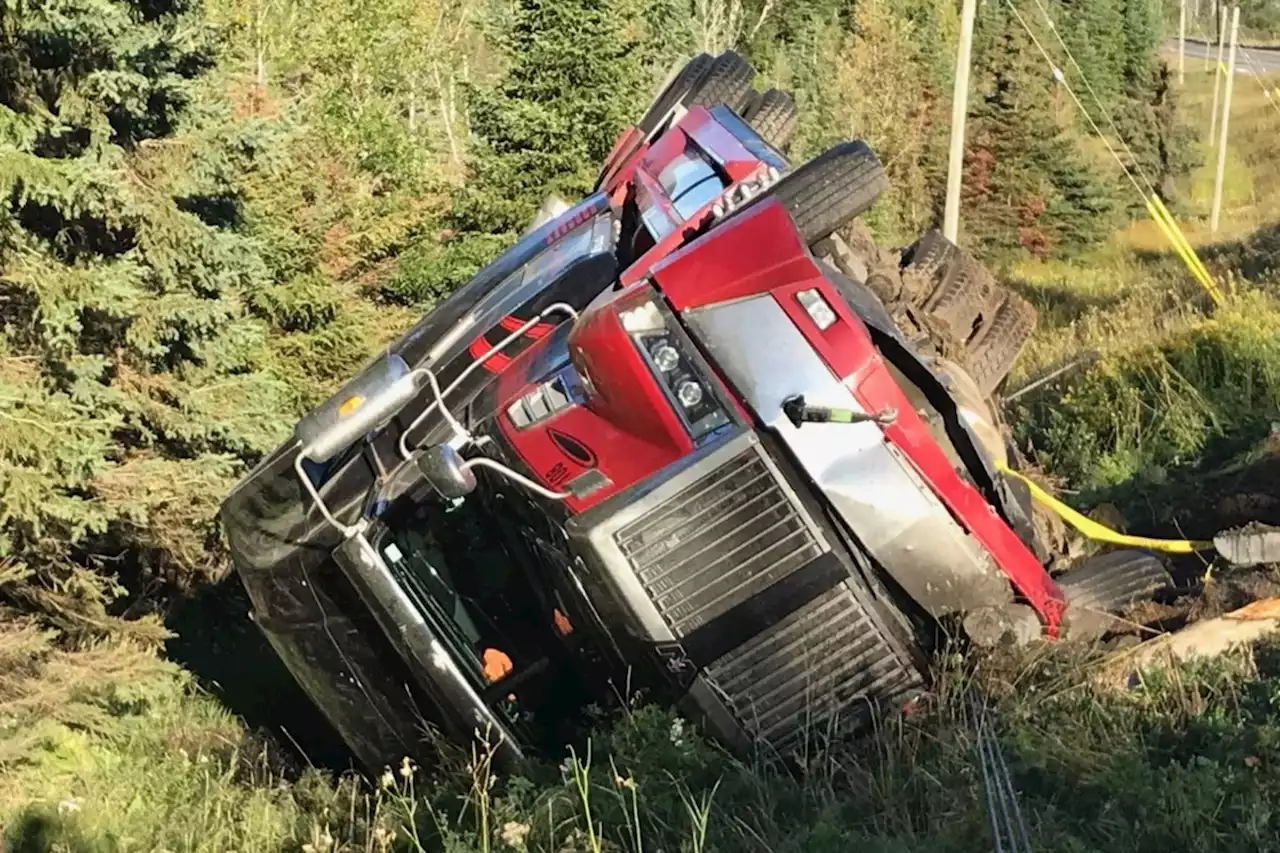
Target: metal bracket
[[799, 412]]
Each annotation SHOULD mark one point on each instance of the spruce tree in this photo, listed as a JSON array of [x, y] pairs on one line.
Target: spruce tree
[[1027, 184], [573, 82], [149, 349]]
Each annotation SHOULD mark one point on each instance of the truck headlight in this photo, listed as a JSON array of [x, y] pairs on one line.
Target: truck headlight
[[669, 356]]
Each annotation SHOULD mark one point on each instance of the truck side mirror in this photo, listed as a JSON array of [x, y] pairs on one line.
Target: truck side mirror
[[444, 468]]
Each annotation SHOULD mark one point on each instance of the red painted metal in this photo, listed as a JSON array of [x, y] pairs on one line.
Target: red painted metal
[[637, 181], [722, 146], [621, 160], [627, 421], [755, 251], [762, 253]]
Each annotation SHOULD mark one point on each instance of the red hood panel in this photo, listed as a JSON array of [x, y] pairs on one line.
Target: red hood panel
[[761, 252], [626, 429]]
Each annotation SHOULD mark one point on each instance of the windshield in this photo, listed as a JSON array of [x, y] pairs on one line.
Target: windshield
[[451, 325], [458, 576]]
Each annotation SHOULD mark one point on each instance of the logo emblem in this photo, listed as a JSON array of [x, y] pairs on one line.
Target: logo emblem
[[572, 448]]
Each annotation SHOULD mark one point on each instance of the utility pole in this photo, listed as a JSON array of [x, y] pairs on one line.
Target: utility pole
[[959, 110], [1182, 42], [1217, 81], [1226, 114]]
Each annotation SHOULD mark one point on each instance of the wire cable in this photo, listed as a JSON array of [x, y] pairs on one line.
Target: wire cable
[[1044, 11], [1009, 833], [1062, 79], [1155, 206], [1253, 69]]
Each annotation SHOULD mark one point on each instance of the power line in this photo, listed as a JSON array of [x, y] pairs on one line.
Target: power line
[[1044, 11], [1062, 79], [1254, 69], [1155, 206]]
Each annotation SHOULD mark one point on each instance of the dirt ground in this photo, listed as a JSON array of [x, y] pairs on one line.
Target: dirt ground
[[1229, 497]]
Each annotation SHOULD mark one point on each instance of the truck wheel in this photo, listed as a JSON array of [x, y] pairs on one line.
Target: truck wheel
[[833, 188], [774, 117], [966, 295], [999, 341], [727, 81], [1110, 584], [684, 81], [950, 286], [924, 263]]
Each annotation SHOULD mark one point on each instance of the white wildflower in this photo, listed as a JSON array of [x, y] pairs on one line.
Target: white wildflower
[[514, 834], [383, 837]]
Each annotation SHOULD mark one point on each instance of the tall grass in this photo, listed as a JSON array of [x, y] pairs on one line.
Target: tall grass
[[1187, 761], [1174, 386]]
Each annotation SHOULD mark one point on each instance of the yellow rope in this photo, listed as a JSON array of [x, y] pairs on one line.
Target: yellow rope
[[1099, 532], [1159, 213]]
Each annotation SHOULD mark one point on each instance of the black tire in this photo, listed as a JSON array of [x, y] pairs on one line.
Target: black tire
[[924, 264], [774, 117], [832, 189], [727, 81], [967, 292], [1110, 584], [680, 86], [1000, 340]]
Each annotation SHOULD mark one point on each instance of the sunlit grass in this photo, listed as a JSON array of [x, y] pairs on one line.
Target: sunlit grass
[[1191, 753]]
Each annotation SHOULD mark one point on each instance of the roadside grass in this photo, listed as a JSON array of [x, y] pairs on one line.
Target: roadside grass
[[1170, 390], [1190, 759]]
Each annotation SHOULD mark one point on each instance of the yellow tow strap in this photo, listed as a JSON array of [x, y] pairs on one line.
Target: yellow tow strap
[[1101, 533]]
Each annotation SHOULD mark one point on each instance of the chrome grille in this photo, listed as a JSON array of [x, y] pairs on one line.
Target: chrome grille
[[718, 542], [798, 678]]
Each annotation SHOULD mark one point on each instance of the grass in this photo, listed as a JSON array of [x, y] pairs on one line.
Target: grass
[[1175, 389], [1190, 760]]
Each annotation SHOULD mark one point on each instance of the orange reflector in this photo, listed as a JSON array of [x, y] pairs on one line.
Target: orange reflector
[[497, 665], [350, 406], [563, 625]]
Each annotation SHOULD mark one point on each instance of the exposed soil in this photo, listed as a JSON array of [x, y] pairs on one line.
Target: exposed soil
[[1241, 494]]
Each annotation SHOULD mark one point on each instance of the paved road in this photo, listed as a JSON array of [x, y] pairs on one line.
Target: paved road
[[1254, 58]]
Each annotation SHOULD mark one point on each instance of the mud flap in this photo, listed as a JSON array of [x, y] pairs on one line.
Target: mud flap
[[1105, 586]]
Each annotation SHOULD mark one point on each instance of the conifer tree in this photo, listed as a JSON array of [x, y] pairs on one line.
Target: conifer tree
[[573, 82], [1027, 184], [148, 348]]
